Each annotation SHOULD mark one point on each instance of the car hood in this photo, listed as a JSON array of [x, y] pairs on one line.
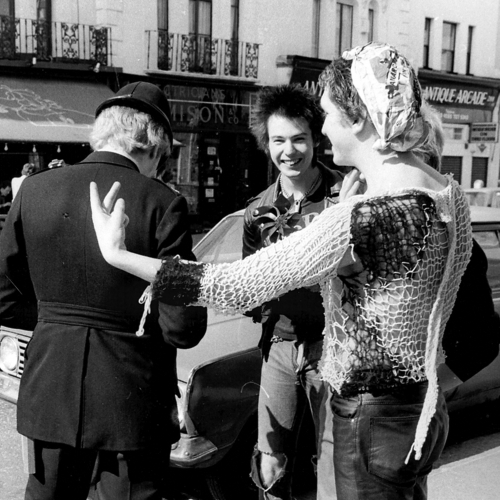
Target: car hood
[[226, 335]]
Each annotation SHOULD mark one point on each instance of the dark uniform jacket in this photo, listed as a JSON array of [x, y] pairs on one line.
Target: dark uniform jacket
[[89, 381], [298, 314]]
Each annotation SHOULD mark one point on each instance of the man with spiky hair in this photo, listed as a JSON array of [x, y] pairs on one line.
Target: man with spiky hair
[[287, 126]]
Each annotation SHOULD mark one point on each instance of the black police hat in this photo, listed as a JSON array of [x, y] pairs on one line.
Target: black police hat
[[145, 97]]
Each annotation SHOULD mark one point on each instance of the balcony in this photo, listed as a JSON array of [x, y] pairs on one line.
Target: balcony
[[201, 54], [25, 39]]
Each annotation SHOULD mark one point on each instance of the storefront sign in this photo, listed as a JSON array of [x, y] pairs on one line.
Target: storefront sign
[[462, 115], [460, 96], [484, 132], [460, 103], [306, 71], [202, 107]]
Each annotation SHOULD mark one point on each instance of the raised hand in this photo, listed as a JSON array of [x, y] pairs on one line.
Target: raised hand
[[353, 183], [109, 220]]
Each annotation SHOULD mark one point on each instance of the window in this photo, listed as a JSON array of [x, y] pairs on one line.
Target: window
[[344, 27], [43, 25], [479, 170], [7, 29], [452, 165], [200, 17], [6, 7], [448, 49], [469, 50], [453, 133], [235, 23], [427, 42], [371, 25], [316, 27], [235, 19], [200, 29], [163, 37], [163, 15]]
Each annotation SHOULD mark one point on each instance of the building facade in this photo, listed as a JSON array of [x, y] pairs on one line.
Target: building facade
[[59, 59]]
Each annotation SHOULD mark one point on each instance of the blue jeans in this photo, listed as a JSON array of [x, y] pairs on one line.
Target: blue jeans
[[291, 385], [373, 435]]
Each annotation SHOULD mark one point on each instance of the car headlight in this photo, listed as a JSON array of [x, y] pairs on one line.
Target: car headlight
[[9, 354], [181, 400]]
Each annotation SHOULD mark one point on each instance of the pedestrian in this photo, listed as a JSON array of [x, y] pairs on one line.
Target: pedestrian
[[28, 169], [5, 197], [97, 396], [287, 124], [389, 263]]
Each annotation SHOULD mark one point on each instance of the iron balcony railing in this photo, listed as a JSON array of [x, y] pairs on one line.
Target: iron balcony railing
[[55, 41], [201, 54]]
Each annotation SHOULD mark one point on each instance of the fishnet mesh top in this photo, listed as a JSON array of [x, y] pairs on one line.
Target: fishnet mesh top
[[387, 309]]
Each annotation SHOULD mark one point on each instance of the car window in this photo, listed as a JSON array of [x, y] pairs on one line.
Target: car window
[[223, 243], [490, 243]]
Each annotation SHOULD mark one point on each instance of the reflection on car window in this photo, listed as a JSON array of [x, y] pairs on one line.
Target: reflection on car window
[[223, 243], [490, 243]]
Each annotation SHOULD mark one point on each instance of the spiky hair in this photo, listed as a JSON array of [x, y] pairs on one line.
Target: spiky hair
[[288, 101]]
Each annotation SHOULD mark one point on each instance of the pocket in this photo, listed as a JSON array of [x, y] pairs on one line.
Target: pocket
[[390, 442]]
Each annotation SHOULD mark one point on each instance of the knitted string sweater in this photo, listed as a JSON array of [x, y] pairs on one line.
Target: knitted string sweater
[[389, 268]]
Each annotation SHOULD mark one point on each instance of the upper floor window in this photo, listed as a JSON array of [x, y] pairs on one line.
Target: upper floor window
[[163, 15], [6, 7], [43, 10], [448, 48], [235, 19], [200, 17], [427, 42], [344, 27], [234, 49], [454, 132], [316, 27], [371, 25], [200, 29], [469, 50]]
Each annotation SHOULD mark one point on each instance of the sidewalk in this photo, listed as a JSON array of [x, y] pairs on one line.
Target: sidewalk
[[468, 471]]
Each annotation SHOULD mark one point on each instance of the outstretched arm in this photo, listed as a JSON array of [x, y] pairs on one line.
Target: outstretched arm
[[302, 259]]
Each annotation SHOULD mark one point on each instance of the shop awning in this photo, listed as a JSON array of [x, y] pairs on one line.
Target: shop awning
[[35, 110]]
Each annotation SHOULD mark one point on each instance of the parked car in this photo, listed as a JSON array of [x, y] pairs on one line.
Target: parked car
[[485, 197], [219, 379]]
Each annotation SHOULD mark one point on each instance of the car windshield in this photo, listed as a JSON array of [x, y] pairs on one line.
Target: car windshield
[[490, 242], [223, 243]]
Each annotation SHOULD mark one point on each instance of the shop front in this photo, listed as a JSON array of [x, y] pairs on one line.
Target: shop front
[[468, 106], [45, 119], [217, 165]]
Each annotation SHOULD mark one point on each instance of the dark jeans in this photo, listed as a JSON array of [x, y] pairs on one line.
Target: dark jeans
[[66, 473], [291, 385], [373, 436]]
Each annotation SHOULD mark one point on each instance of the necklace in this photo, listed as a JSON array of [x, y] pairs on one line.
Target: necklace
[[312, 187]]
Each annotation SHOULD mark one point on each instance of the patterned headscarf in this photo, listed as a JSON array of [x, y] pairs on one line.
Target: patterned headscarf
[[389, 88]]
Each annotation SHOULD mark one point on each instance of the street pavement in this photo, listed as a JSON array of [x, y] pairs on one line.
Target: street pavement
[[469, 468]]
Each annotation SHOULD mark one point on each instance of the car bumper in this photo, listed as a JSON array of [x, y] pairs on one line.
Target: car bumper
[[9, 387]]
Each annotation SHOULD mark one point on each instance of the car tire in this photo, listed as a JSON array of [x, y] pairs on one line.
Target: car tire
[[230, 478]]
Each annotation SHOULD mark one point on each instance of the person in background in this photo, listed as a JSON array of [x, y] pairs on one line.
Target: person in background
[[97, 396], [389, 263], [28, 169], [287, 124], [5, 197]]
